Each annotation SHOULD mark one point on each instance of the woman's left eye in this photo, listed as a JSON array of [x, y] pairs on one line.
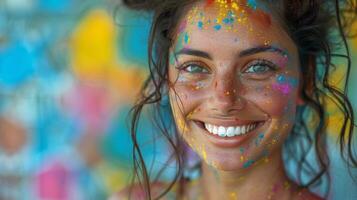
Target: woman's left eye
[[260, 67]]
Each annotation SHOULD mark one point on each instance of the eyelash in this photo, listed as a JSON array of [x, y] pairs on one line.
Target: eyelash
[[261, 62], [184, 66]]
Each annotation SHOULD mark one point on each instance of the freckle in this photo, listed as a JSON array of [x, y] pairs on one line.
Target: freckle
[[216, 84]]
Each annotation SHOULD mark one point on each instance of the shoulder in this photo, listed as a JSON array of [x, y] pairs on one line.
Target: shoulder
[[137, 192]]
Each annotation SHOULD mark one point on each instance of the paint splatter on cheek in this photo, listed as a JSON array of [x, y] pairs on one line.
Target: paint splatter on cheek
[[285, 84]]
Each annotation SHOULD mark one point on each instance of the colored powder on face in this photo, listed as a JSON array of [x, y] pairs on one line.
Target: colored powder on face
[[283, 88], [294, 82], [283, 61], [248, 163], [228, 20], [186, 38], [285, 84], [259, 139], [241, 150], [182, 26], [209, 2], [252, 4], [233, 196], [200, 25], [281, 79], [217, 27]]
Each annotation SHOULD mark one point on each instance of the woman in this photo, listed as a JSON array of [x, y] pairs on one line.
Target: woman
[[243, 79]]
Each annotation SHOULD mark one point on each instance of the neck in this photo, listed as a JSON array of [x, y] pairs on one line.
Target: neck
[[262, 181]]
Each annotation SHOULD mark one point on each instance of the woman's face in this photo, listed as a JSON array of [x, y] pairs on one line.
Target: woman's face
[[234, 81]]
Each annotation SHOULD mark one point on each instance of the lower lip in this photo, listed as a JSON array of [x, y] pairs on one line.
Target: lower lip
[[231, 142]]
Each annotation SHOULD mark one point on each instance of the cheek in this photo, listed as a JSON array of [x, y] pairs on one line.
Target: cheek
[[273, 101]]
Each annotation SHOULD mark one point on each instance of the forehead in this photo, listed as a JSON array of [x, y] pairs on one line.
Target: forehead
[[231, 23]]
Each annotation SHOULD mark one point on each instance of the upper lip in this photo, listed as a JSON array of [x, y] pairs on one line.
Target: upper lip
[[228, 122]]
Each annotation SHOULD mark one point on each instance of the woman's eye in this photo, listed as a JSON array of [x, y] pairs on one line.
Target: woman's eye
[[195, 69], [260, 68]]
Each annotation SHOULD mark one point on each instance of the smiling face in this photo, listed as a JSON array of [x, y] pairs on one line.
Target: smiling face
[[234, 77]]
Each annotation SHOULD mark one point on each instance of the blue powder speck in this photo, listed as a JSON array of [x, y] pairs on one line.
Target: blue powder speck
[[241, 150], [294, 82], [200, 24], [281, 79], [261, 136], [186, 38], [229, 20], [248, 164], [217, 27], [252, 4]]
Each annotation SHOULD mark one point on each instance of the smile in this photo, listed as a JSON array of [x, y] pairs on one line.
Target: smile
[[231, 131]]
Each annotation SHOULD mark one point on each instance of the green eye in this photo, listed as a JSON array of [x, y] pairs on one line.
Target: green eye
[[260, 67], [195, 69]]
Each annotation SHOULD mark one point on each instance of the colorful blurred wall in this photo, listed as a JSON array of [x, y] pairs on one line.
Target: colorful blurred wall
[[69, 71]]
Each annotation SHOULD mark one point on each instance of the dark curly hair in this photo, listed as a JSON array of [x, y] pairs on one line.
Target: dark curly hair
[[310, 24]]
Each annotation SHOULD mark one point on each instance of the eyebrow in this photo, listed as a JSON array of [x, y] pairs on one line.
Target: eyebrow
[[194, 52], [246, 52], [259, 49]]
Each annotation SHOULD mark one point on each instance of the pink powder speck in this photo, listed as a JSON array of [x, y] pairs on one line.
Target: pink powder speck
[[283, 88]]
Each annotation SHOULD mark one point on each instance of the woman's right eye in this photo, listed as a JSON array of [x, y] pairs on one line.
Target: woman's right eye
[[194, 68]]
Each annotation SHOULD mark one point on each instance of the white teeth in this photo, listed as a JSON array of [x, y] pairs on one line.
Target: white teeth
[[231, 130], [237, 131], [215, 130], [243, 129], [222, 131]]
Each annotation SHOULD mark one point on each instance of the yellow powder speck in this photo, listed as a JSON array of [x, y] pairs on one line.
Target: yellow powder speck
[[242, 158], [233, 196], [204, 154]]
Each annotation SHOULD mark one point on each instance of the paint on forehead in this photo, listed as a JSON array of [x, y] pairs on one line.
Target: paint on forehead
[[252, 4], [228, 13]]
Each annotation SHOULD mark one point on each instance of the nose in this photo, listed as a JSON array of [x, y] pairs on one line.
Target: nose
[[226, 97]]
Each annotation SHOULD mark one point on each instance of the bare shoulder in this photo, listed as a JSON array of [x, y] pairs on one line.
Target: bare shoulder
[[137, 192]]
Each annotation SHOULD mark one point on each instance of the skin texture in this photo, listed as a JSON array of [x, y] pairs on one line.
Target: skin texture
[[213, 80]]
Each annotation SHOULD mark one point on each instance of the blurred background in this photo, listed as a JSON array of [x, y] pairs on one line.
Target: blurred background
[[69, 72]]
